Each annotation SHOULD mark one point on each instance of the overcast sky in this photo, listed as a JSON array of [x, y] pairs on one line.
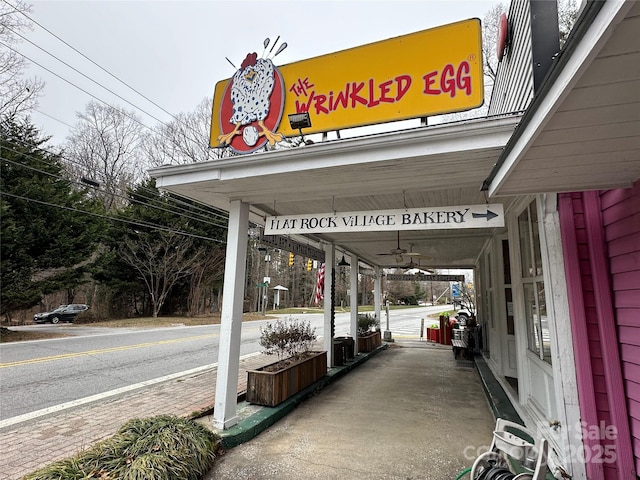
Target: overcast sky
[[174, 52]]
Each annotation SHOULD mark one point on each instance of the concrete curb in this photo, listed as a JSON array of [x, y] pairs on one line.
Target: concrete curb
[[256, 423]]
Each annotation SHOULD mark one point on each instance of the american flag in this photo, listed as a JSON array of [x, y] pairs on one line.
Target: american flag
[[320, 285]]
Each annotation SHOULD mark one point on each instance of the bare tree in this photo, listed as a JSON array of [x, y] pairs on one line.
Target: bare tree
[[17, 93], [489, 39], [105, 147], [567, 16], [489, 64], [206, 274], [185, 139], [161, 259]]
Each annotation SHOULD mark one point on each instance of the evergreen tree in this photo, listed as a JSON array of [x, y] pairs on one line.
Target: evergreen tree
[[46, 239]]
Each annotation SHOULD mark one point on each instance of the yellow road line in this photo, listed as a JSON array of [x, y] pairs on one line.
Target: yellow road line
[[104, 350]]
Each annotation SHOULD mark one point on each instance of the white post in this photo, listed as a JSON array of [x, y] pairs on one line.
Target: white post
[[353, 285], [377, 294], [224, 415], [329, 265]]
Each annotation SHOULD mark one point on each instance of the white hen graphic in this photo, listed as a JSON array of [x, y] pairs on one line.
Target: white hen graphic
[[251, 90]]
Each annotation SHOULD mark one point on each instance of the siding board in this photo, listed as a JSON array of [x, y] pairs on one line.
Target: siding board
[[611, 213], [624, 245], [628, 316], [631, 373], [633, 389], [628, 299], [626, 281], [634, 409], [621, 218], [629, 353], [622, 228], [613, 197], [629, 336], [629, 262]]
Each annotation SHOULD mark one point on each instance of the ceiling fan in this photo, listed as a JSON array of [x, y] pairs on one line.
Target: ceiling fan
[[399, 253], [418, 256], [413, 264], [396, 251]]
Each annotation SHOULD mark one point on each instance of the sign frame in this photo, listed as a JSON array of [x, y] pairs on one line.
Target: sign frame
[[395, 79], [437, 218]]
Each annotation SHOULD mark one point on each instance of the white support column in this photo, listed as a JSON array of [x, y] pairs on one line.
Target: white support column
[[329, 266], [377, 295], [224, 415], [353, 299], [564, 369]]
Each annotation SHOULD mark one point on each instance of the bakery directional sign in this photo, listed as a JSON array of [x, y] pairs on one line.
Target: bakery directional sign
[[424, 278], [466, 216]]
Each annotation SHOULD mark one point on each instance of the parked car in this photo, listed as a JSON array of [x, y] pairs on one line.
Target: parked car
[[64, 313]]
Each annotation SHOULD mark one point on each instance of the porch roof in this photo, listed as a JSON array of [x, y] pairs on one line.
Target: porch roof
[[582, 131], [434, 166]]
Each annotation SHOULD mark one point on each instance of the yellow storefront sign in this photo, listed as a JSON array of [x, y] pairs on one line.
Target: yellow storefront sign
[[422, 74]]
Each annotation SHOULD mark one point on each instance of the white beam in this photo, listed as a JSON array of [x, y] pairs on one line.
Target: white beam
[[377, 295], [224, 415]]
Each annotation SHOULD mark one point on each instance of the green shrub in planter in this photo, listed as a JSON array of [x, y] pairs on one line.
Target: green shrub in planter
[[157, 448], [287, 338], [366, 323]]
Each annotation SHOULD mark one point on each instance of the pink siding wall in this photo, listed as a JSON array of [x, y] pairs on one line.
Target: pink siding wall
[[619, 214], [590, 311], [621, 219]]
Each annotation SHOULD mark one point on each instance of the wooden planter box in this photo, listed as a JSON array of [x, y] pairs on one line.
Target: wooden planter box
[[368, 343], [272, 388]]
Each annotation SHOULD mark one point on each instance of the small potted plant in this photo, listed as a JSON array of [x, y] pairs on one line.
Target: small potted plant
[[297, 366], [368, 335]]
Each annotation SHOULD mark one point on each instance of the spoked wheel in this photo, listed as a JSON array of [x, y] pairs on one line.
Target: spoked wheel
[[486, 462], [55, 320]]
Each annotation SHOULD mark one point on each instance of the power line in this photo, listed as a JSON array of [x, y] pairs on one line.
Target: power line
[[78, 87], [53, 118], [123, 112], [189, 129], [108, 217], [157, 207], [100, 67], [87, 77], [153, 193], [90, 60], [205, 211]]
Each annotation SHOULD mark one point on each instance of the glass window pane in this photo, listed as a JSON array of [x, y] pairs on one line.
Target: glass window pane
[[537, 256], [525, 244], [544, 323], [533, 337], [506, 262]]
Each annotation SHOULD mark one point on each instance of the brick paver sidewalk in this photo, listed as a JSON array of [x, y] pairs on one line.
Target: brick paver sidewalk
[[27, 447]]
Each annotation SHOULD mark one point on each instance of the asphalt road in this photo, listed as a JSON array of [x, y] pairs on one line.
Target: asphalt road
[[41, 374]]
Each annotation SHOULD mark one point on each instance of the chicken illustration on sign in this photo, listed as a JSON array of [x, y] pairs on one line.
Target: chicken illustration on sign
[[252, 105]]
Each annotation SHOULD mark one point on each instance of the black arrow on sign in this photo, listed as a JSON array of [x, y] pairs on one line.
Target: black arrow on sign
[[489, 215]]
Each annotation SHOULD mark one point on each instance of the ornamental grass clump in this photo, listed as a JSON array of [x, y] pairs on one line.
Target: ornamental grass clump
[[157, 448], [287, 338]]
